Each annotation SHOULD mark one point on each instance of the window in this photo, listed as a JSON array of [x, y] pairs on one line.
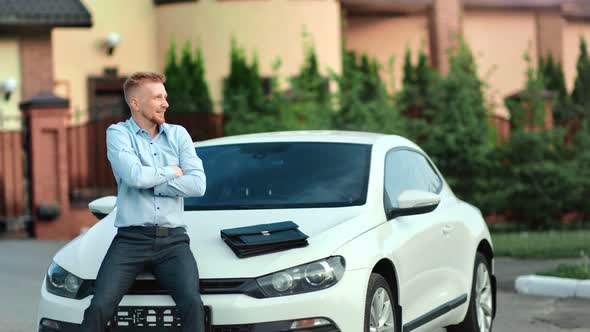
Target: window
[[283, 175], [408, 169]]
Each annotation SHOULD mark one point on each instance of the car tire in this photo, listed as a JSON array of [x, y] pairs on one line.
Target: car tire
[[380, 314], [479, 317]]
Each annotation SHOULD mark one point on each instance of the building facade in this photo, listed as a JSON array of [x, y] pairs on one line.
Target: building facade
[[72, 56]]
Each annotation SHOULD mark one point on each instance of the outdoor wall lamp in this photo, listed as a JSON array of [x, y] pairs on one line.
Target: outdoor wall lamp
[[8, 86], [111, 42]]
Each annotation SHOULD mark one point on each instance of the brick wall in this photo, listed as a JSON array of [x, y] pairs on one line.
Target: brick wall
[[36, 64], [48, 151]]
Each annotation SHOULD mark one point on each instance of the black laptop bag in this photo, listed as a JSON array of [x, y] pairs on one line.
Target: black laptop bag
[[264, 238]]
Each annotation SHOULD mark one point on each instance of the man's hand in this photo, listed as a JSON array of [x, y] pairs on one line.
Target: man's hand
[[178, 170]]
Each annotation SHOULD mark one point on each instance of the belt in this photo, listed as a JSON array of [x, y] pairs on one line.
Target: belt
[[153, 230]]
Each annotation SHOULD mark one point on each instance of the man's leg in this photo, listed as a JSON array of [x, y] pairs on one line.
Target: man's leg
[[124, 260], [176, 270]]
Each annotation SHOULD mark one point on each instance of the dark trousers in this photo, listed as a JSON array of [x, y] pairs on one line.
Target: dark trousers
[[135, 249]]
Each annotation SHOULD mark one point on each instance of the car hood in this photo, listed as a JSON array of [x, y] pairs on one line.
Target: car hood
[[327, 228]]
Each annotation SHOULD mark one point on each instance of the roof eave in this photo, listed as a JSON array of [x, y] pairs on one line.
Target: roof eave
[[25, 25]]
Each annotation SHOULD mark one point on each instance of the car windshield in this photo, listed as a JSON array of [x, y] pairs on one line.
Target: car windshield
[[283, 175]]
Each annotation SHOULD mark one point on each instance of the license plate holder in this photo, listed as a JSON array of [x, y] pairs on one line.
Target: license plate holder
[[153, 319]]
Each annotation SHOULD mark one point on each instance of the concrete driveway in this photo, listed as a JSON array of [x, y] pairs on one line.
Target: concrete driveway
[[23, 264]]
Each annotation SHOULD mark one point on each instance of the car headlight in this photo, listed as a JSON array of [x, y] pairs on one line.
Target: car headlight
[[63, 283], [305, 278]]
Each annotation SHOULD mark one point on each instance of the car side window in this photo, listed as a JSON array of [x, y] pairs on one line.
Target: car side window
[[404, 170]]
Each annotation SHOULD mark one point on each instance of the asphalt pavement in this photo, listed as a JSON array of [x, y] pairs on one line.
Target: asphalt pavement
[[23, 264], [524, 313]]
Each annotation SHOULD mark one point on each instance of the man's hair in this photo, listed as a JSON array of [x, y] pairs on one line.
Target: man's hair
[[138, 78]]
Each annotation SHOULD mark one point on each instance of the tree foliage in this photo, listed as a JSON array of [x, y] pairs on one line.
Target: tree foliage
[[536, 176], [185, 80], [363, 99], [554, 81], [581, 91], [459, 136], [244, 107]]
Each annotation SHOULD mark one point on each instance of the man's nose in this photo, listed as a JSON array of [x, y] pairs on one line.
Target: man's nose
[[166, 105]]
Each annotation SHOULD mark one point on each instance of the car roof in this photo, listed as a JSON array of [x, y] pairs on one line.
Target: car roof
[[335, 136]]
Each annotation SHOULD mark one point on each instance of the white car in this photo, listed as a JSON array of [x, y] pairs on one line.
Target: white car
[[390, 247]]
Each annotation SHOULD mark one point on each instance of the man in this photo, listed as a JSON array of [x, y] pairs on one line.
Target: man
[[155, 166]]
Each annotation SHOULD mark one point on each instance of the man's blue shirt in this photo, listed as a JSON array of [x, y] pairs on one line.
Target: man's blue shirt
[[149, 192]]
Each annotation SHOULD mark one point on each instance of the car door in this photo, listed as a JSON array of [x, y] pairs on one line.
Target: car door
[[423, 252]]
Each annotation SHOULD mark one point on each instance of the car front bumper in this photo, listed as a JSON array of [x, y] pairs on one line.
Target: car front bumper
[[343, 304]]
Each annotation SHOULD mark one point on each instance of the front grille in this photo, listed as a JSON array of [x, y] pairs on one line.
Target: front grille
[[207, 286], [222, 286], [146, 287]]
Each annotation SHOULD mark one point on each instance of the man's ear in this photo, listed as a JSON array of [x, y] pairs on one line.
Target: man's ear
[[134, 103]]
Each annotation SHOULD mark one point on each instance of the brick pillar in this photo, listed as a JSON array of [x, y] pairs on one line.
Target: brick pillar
[[550, 29], [444, 27], [45, 116], [36, 62]]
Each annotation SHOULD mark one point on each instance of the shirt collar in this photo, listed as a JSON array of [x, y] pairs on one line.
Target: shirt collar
[[164, 128], [135, 127]]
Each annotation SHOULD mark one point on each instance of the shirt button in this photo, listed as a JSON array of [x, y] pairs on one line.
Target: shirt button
[[158, 208], [155, 154]]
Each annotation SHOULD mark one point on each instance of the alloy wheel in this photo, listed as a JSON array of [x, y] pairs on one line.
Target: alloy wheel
[[483, 299], [381, 319]]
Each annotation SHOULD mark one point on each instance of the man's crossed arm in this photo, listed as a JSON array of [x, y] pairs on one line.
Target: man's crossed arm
[[185, 180]]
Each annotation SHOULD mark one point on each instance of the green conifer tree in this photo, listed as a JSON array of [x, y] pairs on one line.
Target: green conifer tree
[[200, 89], [185, 80], [581, 92], [459, 136]]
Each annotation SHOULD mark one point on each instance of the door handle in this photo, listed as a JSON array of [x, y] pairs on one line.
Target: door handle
[[447, 229]]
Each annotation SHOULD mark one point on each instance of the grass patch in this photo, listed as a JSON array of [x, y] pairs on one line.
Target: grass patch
[[573, 271], [545, 244]]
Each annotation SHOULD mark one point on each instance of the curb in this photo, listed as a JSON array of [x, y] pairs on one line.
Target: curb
[[552, 286]]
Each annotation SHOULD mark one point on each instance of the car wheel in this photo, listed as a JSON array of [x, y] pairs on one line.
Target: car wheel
[[480, 313], [379, 306]]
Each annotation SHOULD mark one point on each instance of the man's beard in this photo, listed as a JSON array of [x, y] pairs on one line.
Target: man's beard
[[158, 120]]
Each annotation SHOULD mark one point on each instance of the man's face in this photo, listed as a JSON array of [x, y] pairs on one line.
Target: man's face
[[152, 102]]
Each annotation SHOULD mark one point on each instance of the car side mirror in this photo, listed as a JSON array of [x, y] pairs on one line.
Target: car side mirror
[[411, 202], [101, 207]]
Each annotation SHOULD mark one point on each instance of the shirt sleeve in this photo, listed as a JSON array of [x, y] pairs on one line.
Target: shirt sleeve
[[127, 166], [193, 183]]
